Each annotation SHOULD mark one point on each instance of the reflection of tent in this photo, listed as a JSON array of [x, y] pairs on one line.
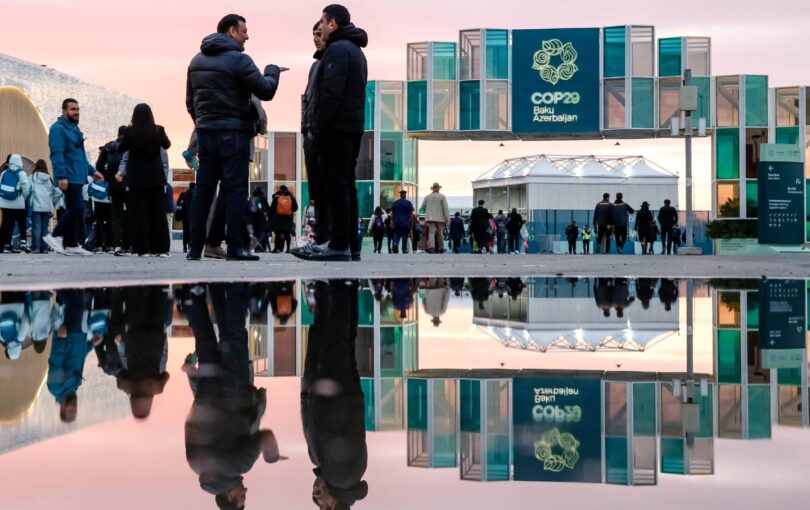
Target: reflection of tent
[[581, 337], [20, 382]]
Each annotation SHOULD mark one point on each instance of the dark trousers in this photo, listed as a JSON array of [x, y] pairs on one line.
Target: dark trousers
[[481, 239], [224, 157], [282, 239], [514, 242], [666, 240], [104, 228], [337, 158], [186, 234], [148, 226], [389, 234], [572, 246], [216, 230], [602, 239], [317, 191], [620, 233], [12, 217], [401, 236], [119, 220], [501, 240], [455, 243], [378, 240], [586, 246], [71, 226]]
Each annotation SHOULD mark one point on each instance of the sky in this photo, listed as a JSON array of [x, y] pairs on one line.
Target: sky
[[143, 49]]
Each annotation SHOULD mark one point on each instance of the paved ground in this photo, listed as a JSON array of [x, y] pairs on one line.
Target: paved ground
[[51, 271]]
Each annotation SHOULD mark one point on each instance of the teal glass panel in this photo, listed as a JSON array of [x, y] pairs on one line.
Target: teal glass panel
[[728, 153], [751, 199], [444, 421], [669, 57], [417, 404], [371, 87], [644, 416], [367, 385], [390, 410], [759, 411], [704, 89], [498, 457], [643, 103], [753, 310], [615, 41], [672, 456], [470, 405], [706, 414], [391, 156], [788, 135], [409, 160], [756, 101], [470, 105], [616, 456], [365, 198], [728, 356], [302, 207], [807, 208], [391, 351], [789, 376], [417, 105], [444, 61], [365, 308], [410, 341], [497, 54]]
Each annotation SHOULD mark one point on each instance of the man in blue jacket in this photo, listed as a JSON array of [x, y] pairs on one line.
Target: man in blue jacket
[[70, 170]]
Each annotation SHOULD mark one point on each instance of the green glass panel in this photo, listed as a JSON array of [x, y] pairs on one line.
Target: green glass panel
[[367, 385], [728, 153], [756, 101], [753, 310], [371, 86], [672, 455], [789, 376], [365, 308], [759, 411], [409, 160], [728, 356], [391, 351], [669, 57], [643, 103], [614, 52], [616, 456], [497, 54], [751, 199], [391, 156], [704, 88], [644, 422], [706, 414], [470, 105], [390, 410], [444, 61], [302, 207], [365, 198], [787, 135], [417, 404], [417, 105], [470, 405], [498, 457]]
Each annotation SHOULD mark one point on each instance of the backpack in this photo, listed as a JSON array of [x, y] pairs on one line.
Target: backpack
[[378, 224], [284, 305], [99, 190], [284, 205], [10, 184], [9, 324]]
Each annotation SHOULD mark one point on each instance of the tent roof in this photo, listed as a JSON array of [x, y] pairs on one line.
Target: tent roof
[[601, 167]]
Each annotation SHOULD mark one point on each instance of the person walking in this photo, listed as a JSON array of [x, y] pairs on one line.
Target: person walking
[[667, 218], [602, 223], [70, 169], [437, 216], [42, 202], [144, 171], [621, 218], [221, 79], [259, 210], [389, 230], [586, 240], [102, 213], [15, 189], [656, 232], [572, 233], [500, 231], [182, 213], [401, 217], [107, 164], [339, 123], [514, 222], [376, 227], [479, 223], [644, 228], [456, 231], [282, 210]]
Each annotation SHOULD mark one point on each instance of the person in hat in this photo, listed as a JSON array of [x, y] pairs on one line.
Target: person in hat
[[479, 222], [645, 228], [282, 212], [437, 216], [402, 214]]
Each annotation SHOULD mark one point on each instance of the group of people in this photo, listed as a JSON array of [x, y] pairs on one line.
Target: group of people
[[611, 221]]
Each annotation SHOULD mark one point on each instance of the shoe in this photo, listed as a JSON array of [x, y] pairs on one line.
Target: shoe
[[24, 247], [12, 249], [242, 254], [144, 255], [164, 255], [119, 252], [327, 255], [77, 251], [215, 252], [355, 256], [55, 243], [191, 255]]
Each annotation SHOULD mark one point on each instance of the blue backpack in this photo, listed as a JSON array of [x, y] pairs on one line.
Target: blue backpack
[[98, 190], [10, 184], [9, 327]]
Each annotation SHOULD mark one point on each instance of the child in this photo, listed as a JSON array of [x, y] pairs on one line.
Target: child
[[42, 201]]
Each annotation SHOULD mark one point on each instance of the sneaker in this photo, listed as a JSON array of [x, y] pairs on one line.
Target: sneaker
[[164, 255], [192, 255], [55, 243], [24, 247], [118, 252], [77, 251], [326, 255], [242, 254], [215, 252]]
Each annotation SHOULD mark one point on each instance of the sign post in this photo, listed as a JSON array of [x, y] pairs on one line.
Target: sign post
[[781, 195]]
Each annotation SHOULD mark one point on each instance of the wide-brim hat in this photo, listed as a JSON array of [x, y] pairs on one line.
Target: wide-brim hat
[[645, 204], [402, 191], [436, 186]]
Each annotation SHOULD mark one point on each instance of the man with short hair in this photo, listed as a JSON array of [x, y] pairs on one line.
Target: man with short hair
[[109, 159], [479, 222], [621, 217], [437, 215], [221, 80], [514, 222], [602, 223], [402, 218], [500, 230], [667, 218], [70, 170]]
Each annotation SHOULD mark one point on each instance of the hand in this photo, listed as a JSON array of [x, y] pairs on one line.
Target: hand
[[98, 177], [119, 177], [283, 69], [63, 184]]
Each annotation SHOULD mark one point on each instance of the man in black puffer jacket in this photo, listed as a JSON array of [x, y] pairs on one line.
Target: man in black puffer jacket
[[221, 79], [338, 122]]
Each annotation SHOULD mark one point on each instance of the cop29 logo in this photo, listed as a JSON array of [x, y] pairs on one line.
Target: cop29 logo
[[544, 57]]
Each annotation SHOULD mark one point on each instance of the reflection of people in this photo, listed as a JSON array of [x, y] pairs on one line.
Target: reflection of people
[[603, 294], [223, 439], [479, 291], [621, 296], [645, 288], [402, 295], [437, 297], [282, 301], [332, 403], [668, 293]]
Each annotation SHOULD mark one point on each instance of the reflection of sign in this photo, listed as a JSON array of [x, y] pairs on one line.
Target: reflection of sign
[[781, 202], [555, 80], [780, 152], [782, 315], [557, 424]]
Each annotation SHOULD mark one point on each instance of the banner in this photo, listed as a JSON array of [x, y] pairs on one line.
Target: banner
[[781, 202], [555, 80], [558, 429], [782, 310]]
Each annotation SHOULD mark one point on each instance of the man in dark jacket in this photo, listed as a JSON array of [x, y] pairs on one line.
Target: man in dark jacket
[[221, 79], [456, 231], [479, 222], [109, 159], [514, 222], [571, 234], [602, 223], [282, 212], [621, 217], [668, 218], [339, 120]]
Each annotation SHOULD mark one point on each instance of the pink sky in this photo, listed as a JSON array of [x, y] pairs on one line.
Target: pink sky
[[143, 48]]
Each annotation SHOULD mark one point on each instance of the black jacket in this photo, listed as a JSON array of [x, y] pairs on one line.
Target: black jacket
[[571, 232], [341, 82], [109, 159], [309, 100], [479, 218], [621, 214], [279, 223], [221, 79], [456, 227], [513, 222], [667, 216], [144, 164], [603, 213]]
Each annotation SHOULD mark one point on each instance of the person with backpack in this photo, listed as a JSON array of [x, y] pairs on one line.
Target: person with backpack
[[376, 227], [282, 209], [15, 325], [15, 188], [43, 199], [259, 209], [99, 194], [107, 164]]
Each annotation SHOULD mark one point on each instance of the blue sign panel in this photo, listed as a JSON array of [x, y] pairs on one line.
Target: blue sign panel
[[781, 202], [555, 80], [558, 429]]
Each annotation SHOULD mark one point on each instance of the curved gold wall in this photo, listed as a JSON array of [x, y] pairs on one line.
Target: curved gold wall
[[20, 382], [22, 130]]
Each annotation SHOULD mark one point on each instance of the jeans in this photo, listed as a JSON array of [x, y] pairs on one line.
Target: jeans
[[71, 226], [401, 236], [586, 246], [224, 158], [337, 158], [501, 240], [39, 229], [315, 181]]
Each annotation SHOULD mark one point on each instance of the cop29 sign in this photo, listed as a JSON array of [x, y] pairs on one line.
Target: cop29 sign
[[555, 80]]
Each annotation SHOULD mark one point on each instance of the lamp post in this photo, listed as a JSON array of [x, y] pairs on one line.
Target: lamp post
[[688, 100]]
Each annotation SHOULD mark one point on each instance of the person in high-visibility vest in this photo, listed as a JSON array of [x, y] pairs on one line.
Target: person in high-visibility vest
[[586, 240]]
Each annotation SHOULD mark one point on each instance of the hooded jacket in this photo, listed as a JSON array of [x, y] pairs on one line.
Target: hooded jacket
[[220, 81], [15, 165], [68, 159], [42, 192], [309, 100], [341, 82]]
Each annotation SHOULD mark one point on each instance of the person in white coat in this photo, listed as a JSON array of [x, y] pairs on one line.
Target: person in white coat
[[14, 325], [43, 198], [12, 202]]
